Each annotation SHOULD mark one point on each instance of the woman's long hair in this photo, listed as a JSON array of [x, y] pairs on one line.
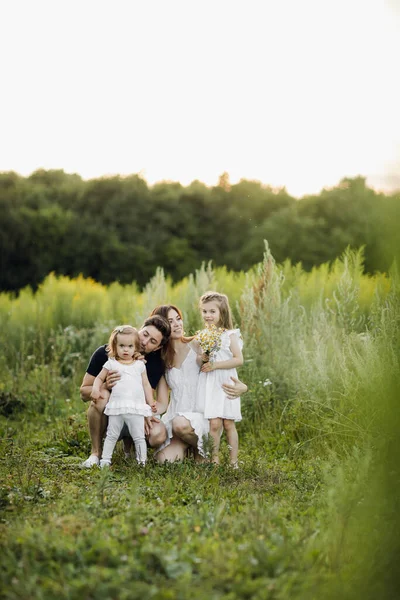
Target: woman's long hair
[[167, 351]]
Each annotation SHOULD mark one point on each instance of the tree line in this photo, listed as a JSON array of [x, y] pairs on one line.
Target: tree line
[[121, 229]]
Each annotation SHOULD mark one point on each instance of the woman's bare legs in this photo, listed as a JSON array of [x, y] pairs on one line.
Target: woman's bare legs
[[182, 429], [176, 450], [233, 441], [215, 433]]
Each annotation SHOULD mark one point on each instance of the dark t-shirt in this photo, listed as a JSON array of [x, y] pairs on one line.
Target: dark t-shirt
[[154, 365]]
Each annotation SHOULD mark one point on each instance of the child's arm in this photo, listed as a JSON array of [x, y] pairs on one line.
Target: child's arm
[[148, 392], [202, 357], [235, 361], [98, 382]]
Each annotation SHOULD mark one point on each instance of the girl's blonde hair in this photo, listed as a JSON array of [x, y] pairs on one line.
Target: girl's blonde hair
[[111, 348], [225, 319]]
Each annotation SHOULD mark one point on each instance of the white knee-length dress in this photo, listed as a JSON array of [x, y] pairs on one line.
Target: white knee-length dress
[[211, 398], [183, 385]]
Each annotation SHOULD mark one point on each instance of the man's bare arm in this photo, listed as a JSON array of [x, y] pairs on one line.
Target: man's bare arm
[[86, 387]]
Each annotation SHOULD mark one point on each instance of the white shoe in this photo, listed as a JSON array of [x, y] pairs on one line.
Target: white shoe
[[104, 464], [90, 462]]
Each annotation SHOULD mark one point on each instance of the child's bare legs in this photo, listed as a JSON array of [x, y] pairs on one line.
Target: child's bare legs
[[215, 433], [233, 441]]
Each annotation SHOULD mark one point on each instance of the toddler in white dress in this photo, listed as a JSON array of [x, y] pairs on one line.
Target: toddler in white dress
[[131, 399], [221, 353]]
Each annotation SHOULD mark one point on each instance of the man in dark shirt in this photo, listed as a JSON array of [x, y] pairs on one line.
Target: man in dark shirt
[[153, 335]]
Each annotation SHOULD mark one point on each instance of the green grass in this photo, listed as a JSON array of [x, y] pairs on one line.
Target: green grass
[[172, 531], [311, 513]]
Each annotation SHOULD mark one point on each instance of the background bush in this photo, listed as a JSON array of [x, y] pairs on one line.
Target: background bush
[[118, 228]]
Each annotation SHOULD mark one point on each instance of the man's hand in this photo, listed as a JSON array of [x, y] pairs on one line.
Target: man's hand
[[235, 389], [112, 378]]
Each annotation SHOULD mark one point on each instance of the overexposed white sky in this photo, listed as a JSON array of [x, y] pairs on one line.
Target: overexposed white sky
[[292, 93]]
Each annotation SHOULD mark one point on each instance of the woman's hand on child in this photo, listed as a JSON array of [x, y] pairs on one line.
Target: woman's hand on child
[[205, 357]]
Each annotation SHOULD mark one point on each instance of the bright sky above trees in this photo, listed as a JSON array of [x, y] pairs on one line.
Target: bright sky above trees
[[295, 94]]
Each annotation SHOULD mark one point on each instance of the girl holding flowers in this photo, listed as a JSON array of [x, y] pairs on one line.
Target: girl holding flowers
[[221, 347]]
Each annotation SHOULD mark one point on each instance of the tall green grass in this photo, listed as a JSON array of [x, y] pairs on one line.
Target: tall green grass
[[315, 343]]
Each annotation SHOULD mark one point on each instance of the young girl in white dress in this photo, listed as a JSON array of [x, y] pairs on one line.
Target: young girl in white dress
[[217, 367], [131, 399]]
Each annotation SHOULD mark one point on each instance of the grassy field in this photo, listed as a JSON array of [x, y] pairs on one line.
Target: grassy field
[[311, 513]]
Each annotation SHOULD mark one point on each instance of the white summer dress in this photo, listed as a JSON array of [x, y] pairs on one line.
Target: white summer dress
[[127, 396], [183, 385], [211, 398]]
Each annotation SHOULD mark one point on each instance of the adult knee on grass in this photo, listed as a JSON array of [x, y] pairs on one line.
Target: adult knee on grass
[[157, 435]]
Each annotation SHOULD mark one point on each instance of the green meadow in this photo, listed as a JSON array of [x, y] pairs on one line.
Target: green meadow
[[313, 511]]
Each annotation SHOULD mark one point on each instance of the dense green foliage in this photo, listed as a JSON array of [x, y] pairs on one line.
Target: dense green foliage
[[313, 510], [121, 229]]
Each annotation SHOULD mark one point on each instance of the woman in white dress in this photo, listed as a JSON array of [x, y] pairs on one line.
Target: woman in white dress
[[186, 427]]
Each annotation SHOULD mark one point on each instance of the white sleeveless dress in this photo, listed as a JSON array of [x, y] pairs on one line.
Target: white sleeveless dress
[[127, 396], [211, 398], [183, 385]]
